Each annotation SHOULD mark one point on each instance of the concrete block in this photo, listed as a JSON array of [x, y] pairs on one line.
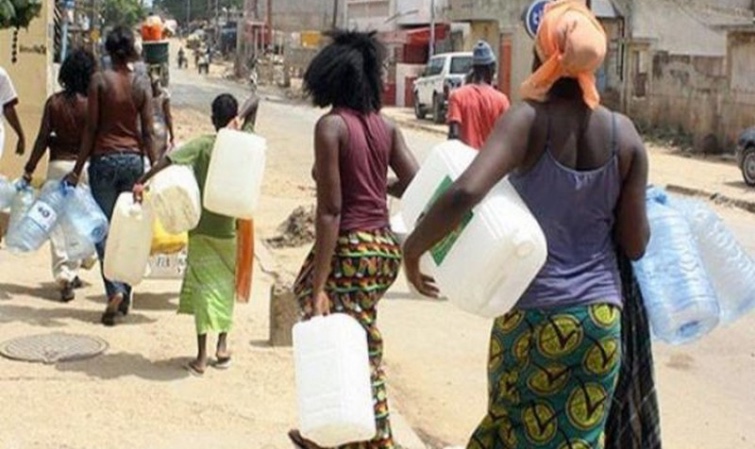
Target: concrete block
[[4, 219], [284, 313]]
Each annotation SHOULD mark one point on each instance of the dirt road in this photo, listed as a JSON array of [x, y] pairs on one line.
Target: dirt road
[[137, 396]]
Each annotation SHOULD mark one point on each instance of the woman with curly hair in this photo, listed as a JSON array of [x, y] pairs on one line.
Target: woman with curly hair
[[356, 257], [63, 123]]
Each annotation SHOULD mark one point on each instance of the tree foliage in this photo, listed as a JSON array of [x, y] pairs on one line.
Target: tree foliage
[[122, 12], [198, 9], [18, 13]]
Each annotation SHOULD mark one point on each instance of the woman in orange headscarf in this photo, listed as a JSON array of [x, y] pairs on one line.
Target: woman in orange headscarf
[[582, 170]]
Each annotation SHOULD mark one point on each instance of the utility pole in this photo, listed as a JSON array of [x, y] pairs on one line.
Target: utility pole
[[432, 28], [270, 22], [335, 14], [188, 13]]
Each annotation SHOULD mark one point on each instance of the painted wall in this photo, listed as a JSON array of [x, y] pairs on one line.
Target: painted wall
[[33, 78]]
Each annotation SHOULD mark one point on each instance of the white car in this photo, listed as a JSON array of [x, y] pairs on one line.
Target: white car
[[444, 72]]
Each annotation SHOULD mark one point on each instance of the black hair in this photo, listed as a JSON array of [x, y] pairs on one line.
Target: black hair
[[224, 109], [76, 72], [120, 44], [348, 72]]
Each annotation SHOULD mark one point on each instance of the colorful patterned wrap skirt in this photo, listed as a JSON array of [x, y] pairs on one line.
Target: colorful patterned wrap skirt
[[364, 267], [551, 378]]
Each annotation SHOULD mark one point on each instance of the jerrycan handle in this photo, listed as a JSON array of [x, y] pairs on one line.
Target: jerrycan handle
[[523, 245]]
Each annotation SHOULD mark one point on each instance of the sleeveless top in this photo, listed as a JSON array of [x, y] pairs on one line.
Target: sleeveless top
[[68, 117], [575, 209], [363, 166], [119, 120]]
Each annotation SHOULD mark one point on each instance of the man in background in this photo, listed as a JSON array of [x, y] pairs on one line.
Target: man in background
[[9, 100], [474, 108]]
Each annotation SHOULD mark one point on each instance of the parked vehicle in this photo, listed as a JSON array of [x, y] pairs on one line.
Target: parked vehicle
[[746, 155], [444, 72]]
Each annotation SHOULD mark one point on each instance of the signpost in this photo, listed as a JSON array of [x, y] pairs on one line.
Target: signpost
[[533, 15]]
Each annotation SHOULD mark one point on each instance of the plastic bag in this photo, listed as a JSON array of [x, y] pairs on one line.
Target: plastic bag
[[165, 243]]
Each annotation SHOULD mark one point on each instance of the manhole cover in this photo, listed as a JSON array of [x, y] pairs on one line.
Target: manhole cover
[[53, 348]]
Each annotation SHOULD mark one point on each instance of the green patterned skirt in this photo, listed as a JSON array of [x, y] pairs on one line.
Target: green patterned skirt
[[365, 265], [208, 290], [551, 378]]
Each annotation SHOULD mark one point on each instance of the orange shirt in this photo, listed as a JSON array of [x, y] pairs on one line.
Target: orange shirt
[[476, 107]]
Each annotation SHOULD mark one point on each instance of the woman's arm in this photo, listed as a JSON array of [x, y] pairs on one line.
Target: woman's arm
[[40, 144], [504, 151], [632, 231], [403, 163], [90, 131], [141, 83], [248, 113], [327, 147], [164, 163], [169, 121]]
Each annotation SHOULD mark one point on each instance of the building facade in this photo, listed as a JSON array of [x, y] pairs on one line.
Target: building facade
[[33, 74]]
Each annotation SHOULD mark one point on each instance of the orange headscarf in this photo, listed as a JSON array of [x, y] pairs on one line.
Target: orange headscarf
[[571, 43]]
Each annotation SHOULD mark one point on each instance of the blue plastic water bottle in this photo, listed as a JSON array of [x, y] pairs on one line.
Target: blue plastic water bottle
[[34, 228], [730, 267], [7, 193], [85, 215], [679, 297], [22, 201]]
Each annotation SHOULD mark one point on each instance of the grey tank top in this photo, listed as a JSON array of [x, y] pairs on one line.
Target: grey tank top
[[575, 209]]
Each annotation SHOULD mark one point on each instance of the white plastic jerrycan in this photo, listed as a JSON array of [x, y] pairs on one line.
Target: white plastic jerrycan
[[129, 242], [234, 178], [333, 381], [489, 261], [175, 198]]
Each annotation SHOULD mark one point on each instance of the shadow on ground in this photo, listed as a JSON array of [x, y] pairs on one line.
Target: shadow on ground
[[123, 364], [57, 317], [47, 291], [153, 302]]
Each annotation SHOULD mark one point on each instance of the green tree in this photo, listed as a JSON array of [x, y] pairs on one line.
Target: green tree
[[122, 12], [18, 13]]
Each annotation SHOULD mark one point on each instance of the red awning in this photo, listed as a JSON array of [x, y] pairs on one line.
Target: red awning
[[421, 36], [415, 36]]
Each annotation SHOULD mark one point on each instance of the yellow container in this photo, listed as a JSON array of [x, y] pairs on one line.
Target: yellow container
[[310, 39], [165, 243]]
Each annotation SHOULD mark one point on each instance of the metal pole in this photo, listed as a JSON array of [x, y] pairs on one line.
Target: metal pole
[[432, 28], [188, 14], [217, 24], [67, 6], [270, 22], [335, 14]]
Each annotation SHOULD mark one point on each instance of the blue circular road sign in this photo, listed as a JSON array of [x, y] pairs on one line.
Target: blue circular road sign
[[533, 15]]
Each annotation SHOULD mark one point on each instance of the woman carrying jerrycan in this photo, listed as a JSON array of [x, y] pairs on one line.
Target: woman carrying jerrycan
[[63, 123], [117, 138], [208, 290], [356, 257], [582, 170]]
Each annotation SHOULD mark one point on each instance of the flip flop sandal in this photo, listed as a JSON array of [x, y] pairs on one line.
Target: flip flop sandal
[[193, 370], [108, 318], [223, 363]]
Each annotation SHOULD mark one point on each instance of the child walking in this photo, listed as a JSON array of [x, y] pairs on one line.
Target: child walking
[[208, 290]]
